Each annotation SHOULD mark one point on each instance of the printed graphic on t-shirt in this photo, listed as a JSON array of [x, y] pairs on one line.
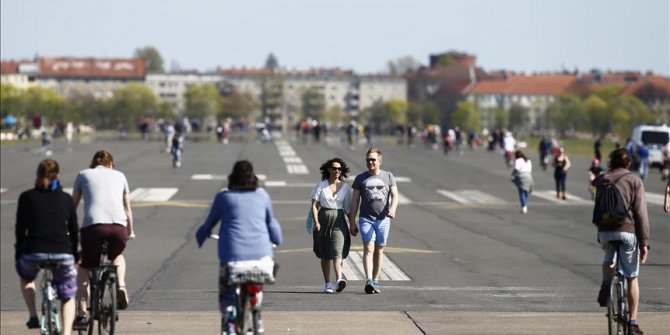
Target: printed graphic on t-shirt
[[376, 192]]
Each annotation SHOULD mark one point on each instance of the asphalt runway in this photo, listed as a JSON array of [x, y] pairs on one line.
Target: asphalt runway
[[459, 243]]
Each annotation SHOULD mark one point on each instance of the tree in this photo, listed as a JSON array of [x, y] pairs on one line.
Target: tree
[[313, 103], [130, 104], [566, 113], [239, 105], [202, 102], [396, 111], [466, 116], [152, 57], [403, 65], [518, 116], [596, 109], [271, 63], [11, 101], [627, 112], [45, 102], [499, 118]]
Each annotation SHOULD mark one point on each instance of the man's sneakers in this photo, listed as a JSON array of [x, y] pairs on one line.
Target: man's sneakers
[[372, 286], [33, 322], [604, 294], [328, 288], [341, 284]]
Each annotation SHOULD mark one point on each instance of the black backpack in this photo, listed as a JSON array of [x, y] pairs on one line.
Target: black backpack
[[609, 211]]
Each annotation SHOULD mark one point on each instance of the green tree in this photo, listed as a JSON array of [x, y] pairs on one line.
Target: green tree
[[11, 102], [272, 95], [239, 106], [518, 116], [466, 116], [152, 57], [130, 104], [313, 103], [45, 102], [403, 65], [628, 112], [596, 109], [499, 118], [396, 111], [271, 63], [566, 113], [335, 115], [202, 102]]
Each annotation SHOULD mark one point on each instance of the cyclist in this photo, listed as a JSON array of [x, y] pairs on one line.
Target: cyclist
[[248, 229], [107, 215], [634, 233], [41, 237]]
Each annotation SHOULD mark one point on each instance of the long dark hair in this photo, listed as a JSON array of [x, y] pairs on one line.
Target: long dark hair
[[325, 166], [519, 154], [101, 157], [242, 178], [47, 171], [619, 158]]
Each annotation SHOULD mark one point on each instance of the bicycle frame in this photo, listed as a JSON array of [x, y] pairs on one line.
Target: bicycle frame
[[103, 276], [247, 282], [617, 307], [49, 320]]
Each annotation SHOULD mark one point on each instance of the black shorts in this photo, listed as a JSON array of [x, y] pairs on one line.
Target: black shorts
[[91, 243]]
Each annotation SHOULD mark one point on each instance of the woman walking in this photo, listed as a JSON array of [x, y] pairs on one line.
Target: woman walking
[[331, 200], [561, 166], [523, 178], [47, 231]]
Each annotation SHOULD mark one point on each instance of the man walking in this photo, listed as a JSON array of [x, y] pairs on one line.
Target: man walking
[[377, 194]]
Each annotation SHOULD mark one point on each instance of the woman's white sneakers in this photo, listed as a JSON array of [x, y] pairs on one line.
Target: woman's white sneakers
[[524, 209], [328, 288]]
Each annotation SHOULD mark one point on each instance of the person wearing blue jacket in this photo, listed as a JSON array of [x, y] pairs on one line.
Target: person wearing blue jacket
[[248, 227]]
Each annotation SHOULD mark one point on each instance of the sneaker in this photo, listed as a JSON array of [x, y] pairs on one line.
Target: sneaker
[[375, 287], [634, 330], [33, 322], [604, 294], [229, 329], [259, 327], [121, 298], [328, 288], [524, 209], [369, 286], [341, 284], [80, 323]]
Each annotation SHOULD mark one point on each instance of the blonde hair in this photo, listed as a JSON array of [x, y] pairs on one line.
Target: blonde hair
[[374, 150], [101, 157], [47, 171]]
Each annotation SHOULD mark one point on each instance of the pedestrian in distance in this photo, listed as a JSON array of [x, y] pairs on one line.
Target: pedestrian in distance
[[47, 231], [177, 149], [522, 177], [561, 167], [331, 202], [666, 200], [247, 232], [509, 143], [634, 232], [107, 216], [594, 171], [376, 192]]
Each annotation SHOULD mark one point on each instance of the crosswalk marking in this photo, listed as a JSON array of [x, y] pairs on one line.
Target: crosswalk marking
[[653, 198], [282, 183], [3, 190], [352, 267], [294, 164], [292, 160], [471, 197], [152, 194], [403, 199], [219, 177], [571, 199], [403, 179], [297, 169]]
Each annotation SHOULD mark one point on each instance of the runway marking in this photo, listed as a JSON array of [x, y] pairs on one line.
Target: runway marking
[[219, 177], [297, 169], [294, 164], [352, 268], [572, 199], [3, 190], [403, 179], [292, 160], [282, 183], [471, 197], [152, 194], [653, 198], [183, 204], [403, 199]]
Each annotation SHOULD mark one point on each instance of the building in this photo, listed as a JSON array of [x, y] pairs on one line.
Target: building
[[171, 87]]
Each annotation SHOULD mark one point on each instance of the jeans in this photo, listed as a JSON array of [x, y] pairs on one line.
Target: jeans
[[523, 197]]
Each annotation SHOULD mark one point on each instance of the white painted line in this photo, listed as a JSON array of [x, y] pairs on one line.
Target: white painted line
[[297, 169], [3, 190], [292, 160], [453, 196], [403, 199], [152, 194], [403, 179], [277, 183], [571, 199], [67, 190], [352, 267], [480, 197], [653, 198], [219, 177]]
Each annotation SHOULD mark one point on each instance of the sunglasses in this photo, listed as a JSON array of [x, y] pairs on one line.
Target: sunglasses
[[336, 168], [371, 160]]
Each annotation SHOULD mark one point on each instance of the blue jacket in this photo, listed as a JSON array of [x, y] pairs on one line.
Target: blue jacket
[[248, 227]]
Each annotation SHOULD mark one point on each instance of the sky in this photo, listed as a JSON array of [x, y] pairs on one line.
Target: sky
[[527, 36]]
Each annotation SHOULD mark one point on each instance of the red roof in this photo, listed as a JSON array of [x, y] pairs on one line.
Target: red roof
[[10, 66], [133, 68], [548, 84]]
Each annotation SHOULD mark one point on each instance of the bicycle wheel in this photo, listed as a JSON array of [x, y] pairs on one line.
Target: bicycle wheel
[[613, 307], [107, 306], [244, 324]]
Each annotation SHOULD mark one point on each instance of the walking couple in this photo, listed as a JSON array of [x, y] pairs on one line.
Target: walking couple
[[334, 208]]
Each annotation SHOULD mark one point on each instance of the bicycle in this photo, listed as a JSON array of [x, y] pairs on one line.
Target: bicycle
[[50, 319], [248, 278], [103, 303], [618, 313]]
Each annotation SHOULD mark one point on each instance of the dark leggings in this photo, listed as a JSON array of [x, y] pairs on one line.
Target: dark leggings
[[560, 182]]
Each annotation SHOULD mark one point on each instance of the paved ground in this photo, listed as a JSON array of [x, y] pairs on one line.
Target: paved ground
[[382, 323]]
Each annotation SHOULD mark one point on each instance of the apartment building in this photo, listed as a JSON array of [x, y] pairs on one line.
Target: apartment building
[[171, 87]]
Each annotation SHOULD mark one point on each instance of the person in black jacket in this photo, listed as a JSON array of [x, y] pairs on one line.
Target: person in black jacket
[[47, 231]]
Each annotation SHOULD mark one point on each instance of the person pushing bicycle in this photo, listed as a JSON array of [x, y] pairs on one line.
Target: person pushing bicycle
[[634, 233], [42, 237], [247, 232]]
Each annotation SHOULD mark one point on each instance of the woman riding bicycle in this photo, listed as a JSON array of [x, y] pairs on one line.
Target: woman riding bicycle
[[107, 216], [42, 236], [248, 228]]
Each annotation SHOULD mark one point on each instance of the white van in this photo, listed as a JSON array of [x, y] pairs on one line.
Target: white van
[[654, 138]]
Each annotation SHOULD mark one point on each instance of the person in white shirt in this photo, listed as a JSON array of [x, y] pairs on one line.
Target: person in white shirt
[[331, 201], [522, 178]]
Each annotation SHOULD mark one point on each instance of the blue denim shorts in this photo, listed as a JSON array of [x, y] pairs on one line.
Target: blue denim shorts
[[630, 258], [374, 229], [64, 275]]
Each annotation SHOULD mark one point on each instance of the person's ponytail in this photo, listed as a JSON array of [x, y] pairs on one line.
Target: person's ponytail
[[47, 171]]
